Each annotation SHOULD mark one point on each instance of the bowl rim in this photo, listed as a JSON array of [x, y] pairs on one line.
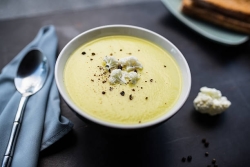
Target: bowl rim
[[116, 125]]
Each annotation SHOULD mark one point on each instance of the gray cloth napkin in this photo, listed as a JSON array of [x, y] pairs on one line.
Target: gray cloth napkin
[[42, 123]]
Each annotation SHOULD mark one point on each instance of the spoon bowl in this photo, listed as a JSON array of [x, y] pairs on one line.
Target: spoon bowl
[[30, 78], [32, 73]]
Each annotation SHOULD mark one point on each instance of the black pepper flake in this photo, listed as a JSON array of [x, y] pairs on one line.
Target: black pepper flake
[[139, 122], [122, 93], [91, 59], [131, 97], [110, 88], [214, 161], [107, 66], [133, 89], [92, 80], [120, 49], [203, 140], [129, 53], [189, 158], [146, 81], [94, 74], [141, 87], [146, 98], [83, 53], [151, 80], [206, 154], [206, 144], [119, 67], [165, 66], [135, 71], [103, 92], [93, 54], [183, 159], [139, 50], [104, 81], [109, 71], [111, 54]]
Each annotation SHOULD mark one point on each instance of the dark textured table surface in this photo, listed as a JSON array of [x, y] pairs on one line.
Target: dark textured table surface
[[213, 65]]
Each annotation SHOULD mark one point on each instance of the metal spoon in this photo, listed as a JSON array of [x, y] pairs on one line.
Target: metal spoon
[[30, 78]]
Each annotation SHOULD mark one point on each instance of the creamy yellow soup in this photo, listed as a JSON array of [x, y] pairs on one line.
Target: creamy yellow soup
[[155, 93]]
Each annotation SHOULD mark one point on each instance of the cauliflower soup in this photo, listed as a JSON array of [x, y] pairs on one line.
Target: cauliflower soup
[[123, 79]]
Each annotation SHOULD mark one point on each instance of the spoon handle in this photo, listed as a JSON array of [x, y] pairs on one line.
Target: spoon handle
[[14, 132]]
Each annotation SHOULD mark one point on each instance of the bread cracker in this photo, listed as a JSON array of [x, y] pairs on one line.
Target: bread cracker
[[213, 16], [239, 9]]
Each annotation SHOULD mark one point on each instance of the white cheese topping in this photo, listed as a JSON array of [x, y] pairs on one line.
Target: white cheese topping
[[133, 77], [211, 101], [117, 76], [111, 62], [131, 63]]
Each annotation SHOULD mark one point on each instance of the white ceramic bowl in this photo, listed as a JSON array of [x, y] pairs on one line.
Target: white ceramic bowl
[[122, 30]]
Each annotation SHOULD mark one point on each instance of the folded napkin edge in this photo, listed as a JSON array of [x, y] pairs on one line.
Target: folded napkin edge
[[57, 136]]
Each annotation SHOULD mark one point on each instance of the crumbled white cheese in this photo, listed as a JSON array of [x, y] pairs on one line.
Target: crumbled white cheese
[[111, 62], [131, 63], [117, 76], [211, 101], [133, 77]]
